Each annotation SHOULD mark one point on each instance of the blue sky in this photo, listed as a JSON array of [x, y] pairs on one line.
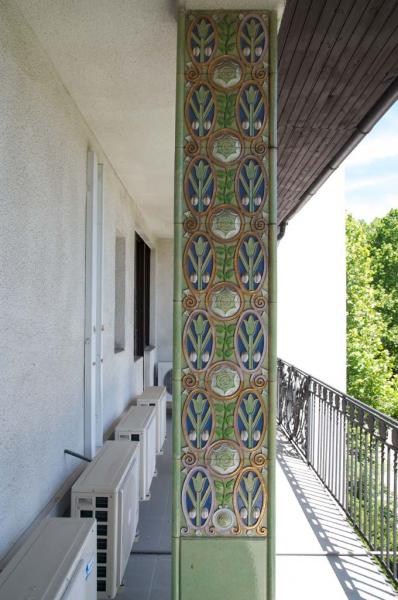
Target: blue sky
[[372, 170]]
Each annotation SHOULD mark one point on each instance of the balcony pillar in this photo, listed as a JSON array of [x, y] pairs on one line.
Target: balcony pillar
[[224, 306]]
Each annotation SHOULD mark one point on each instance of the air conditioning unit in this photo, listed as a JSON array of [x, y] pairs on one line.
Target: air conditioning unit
[[108, 489], [165, 378], [138, 424], [56, 562], [156, 396]]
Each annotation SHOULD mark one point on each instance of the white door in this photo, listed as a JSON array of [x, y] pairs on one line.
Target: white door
[[93, 309], [99, 312]]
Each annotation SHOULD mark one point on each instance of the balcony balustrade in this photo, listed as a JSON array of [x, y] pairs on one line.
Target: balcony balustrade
[[353, 449]]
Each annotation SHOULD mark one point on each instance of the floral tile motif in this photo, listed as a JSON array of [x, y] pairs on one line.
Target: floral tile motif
[[226, 73], [224, 410], [224, 380], [225, 223], [224, 301]]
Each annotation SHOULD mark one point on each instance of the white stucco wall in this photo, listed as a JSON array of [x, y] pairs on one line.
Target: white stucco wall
[[43, 155], [164, 300], [118, 368], [311, 286]]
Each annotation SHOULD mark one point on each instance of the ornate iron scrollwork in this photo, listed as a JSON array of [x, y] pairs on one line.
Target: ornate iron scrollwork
[[293, 394]]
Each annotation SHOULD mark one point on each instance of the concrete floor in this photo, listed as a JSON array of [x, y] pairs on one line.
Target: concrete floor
[[316, 547], [309, 527]]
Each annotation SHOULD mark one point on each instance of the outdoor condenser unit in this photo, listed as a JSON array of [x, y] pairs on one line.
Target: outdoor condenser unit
[[156, 396], [138, 424], [56, 562], [108, 489], [165, 377]]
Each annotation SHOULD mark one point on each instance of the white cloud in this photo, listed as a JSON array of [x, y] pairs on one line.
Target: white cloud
[[374, 147], [371, 175], [369, 209], [367, 182], [381, 142]]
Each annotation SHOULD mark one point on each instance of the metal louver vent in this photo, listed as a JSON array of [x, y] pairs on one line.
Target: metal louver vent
[[100, 502]]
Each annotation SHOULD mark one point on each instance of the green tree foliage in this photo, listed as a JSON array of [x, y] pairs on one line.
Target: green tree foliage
[[370, 374], [384, 250]]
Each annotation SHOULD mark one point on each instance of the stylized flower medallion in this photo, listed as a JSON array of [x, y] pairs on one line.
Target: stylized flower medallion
[[224, 301], [226, 147], [224, 380], [223, 458], [226, 73], [225, 223]]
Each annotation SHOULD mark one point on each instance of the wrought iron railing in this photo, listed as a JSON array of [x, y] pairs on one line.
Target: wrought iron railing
[[353, 449]]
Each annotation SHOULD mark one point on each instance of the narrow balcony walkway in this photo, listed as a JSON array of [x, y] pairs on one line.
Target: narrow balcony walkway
[[318, 553]]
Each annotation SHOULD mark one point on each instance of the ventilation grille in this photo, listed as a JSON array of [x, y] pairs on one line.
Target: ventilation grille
[[101, 514]]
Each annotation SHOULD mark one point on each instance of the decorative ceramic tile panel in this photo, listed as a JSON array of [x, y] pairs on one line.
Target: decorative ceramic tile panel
[[225, 275]]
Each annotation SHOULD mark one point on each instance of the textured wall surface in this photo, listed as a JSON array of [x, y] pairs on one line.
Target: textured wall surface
[[119, 377], [43, 155], [123, 85], [164, 300], [311, 282]]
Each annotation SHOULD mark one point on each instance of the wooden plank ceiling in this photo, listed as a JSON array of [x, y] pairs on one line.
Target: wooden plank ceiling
[[338, 73]]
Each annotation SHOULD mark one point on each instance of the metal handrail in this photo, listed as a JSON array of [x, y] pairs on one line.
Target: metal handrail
[[370, 409], [353, 448]]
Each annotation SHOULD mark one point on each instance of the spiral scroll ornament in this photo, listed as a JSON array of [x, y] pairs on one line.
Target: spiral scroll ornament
[[191, 148], [189, 381], [191, 224], [190, 302], [259, 302]]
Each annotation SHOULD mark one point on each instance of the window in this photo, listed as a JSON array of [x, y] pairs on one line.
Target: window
[[142, 295], [120, 294]]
